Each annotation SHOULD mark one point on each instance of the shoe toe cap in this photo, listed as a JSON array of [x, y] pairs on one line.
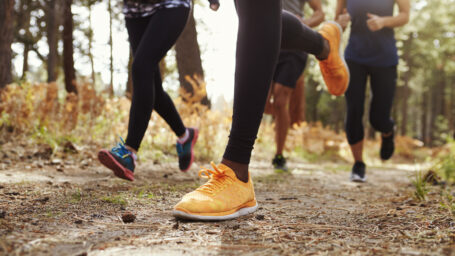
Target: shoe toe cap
[[196, 202]]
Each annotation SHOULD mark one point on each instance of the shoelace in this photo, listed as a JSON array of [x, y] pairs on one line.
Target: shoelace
[[216, 178], [122, 150]]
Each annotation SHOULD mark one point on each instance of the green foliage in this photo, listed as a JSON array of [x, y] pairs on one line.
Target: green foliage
[[118, 199], [76, 197], [448, 202], [421, 189], [446, 164]]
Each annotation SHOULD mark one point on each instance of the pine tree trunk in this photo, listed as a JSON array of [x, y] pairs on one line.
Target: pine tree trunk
[[68, 49], [111, 45], [404, 107], [90, 42], [424, 118], [52, 40], [23, 23], [6, 39], [188, 56], [406, 90], [25, 62], [451, 108]]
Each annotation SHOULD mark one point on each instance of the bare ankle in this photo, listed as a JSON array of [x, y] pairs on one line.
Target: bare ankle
[[240, 170]]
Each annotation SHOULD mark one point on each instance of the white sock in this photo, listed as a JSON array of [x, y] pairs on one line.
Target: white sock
[[184, 138]]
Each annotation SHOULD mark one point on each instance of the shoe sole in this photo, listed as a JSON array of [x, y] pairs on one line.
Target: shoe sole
[[340, 50], [240, 212], [357, 178], [386, 158], [196, 135], [110, 162]]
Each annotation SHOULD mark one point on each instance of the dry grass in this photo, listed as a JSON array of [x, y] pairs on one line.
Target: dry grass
[[56, 198]]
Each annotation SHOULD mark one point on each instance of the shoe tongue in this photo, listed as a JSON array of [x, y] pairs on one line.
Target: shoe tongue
[[227, 171]]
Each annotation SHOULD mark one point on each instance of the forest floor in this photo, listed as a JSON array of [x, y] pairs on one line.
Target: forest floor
[[73, 206]]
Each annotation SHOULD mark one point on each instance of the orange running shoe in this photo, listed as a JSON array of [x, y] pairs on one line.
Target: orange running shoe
[[334, 69], [223, 197]]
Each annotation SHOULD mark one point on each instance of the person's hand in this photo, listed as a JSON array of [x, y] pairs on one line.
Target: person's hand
[[375, 22], [214, 5], [343, 19]]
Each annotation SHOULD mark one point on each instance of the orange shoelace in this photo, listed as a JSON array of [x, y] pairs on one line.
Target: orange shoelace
[[217, 179]]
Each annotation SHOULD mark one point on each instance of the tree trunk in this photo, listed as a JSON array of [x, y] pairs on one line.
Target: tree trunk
[[52, 40], [6, 39], [111, 45], [188, 56], [23, 22], [424, 118], [406, 90], [404, 107], [451, 107], [90, 42], [25, 62], [68, 62]]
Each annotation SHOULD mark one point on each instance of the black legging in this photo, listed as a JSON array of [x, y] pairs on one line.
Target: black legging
[[383, 84], [258, 44], [150, 38]]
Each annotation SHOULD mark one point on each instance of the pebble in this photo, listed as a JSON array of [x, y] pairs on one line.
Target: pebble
[[260, 217]]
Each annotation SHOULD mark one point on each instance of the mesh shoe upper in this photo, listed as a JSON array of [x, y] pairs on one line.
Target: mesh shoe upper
[[124, 156], [184, 150], [223, 194]]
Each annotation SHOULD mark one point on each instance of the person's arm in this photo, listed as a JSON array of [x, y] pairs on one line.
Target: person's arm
[[376, 22], [342, 16], [318, 14], [341, 6]]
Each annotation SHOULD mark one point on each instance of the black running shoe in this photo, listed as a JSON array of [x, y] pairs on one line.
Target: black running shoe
[[185, 150], [387, 146], [358, 172], [279, 163]]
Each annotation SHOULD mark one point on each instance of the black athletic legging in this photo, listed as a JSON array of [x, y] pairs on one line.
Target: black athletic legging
[[150, 38], [383, 84], [261, 25]]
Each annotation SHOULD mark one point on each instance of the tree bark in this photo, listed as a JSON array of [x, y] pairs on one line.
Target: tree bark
[[451, 107], [68, 49], [111, 45], [6, 39], [90, 42], [23, 16], [188, 56], [424, 118], [52, 40], [406, 90], [25, 62]]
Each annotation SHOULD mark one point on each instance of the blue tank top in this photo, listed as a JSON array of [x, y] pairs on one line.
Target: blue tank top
[[367, 47]]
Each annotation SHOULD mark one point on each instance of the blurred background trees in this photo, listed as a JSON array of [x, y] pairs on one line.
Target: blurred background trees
[[52, 38]]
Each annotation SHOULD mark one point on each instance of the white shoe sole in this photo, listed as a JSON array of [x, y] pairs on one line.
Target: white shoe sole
[[357, 178], [241, 212]]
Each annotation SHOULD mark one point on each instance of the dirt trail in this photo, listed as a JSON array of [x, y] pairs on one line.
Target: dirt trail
[[313, 210]]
